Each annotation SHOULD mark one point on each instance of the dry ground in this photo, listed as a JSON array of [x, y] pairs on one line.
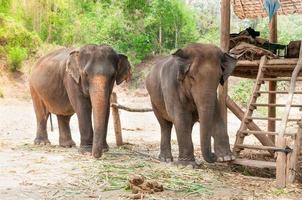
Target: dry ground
[[52, 172]]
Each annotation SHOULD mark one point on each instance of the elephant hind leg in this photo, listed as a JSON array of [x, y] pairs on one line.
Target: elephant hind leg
[[65, 139], [41, 117], [165, 154]]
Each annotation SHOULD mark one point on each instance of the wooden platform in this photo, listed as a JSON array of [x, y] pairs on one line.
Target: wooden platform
[[249, 69]]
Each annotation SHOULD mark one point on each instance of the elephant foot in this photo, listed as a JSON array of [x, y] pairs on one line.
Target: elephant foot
[[41, 141], [85, 149], [224, 154], [186, 163], [165, 157], [67, 144], [105, 147], [226, 158]]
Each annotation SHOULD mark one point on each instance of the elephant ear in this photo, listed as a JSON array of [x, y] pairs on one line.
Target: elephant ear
[[183, 62], [228, 64], [72, 65], [123, 69]]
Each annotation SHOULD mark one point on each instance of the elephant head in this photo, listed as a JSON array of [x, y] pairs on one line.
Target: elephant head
[[201, 68], [95, 68]]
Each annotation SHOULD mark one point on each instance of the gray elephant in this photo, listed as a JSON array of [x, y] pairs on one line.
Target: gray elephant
[[80, 81], [183, 90]]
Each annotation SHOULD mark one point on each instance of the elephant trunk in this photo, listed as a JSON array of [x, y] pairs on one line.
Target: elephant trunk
[[205, 103], [100, 100]]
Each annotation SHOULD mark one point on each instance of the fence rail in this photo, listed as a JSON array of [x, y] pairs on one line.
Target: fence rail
[[115, 106]]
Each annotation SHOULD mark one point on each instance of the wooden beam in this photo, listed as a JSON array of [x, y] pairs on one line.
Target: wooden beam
[[272, 85], [224, 44]]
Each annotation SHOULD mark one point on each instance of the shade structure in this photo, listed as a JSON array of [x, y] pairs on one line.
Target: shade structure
[[251, 9]]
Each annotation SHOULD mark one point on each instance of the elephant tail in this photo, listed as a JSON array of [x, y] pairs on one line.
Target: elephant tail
[[51, 125]]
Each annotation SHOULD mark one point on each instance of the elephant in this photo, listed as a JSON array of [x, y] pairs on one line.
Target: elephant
[[183, 91], [68, 81]]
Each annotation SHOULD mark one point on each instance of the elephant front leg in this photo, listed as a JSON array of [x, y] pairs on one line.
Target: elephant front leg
[[65, 139], [86, 130], [221, 138], [183, 126]]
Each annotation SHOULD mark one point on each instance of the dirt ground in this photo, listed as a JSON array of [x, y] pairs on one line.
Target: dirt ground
[[52, 172]]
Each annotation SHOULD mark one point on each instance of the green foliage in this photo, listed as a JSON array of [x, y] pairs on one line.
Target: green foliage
[[13, 33], [16, 55], [4, 6], [241, 91]]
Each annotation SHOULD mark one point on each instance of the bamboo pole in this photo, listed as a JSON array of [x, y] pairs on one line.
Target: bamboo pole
[[224, 44], [116, 121]]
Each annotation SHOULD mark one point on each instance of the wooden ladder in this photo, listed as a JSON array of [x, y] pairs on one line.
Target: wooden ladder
[[287, 157]]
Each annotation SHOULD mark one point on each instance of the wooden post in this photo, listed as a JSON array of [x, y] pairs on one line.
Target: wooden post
[[292, 158], [116, 121], [272, 85], [281, 163], [224, 44]]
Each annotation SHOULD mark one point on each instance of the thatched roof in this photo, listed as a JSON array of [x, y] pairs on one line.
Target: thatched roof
[[254, 8]]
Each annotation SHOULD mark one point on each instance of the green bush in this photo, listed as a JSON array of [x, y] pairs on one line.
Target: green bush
[[241, 92], [15, 56]]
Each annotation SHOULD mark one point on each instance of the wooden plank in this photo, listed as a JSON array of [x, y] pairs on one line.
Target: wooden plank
[[255, 163], [278, 92], [265, 132], [265, 148], [279, 79], [272, 119], [116, 121], [271, 62], [287, 66], [275, 105]]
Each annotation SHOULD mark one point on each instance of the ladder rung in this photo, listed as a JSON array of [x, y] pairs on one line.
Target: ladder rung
[[265, 132], [255, 163], [277, 92], [269, 148], [279, 79], [273, 105], [280, 66], [272, 119]]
